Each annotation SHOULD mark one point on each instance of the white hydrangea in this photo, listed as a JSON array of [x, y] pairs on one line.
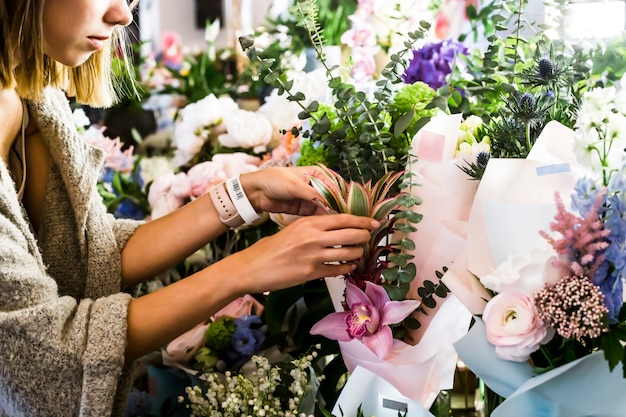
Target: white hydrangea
[[600, 130]]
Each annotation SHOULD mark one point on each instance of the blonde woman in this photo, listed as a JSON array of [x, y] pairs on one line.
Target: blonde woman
[[68, 331]]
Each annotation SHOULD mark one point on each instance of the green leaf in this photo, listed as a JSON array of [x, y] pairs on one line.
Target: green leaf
[[407, 244], [429, 302], [613, 349], [411, 323], [358, 200], [323, 125], [438, 102], [396, 292], [246, 42], [390, 274], [297, 97], [403, 122]]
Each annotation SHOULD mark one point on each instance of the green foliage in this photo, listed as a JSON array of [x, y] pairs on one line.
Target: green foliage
[[202, 76], [332, 16], [360, 133], [218, 334], [125, 188], [512, 69]]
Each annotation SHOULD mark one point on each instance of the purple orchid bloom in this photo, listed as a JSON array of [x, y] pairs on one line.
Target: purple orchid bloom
[[368, 318]]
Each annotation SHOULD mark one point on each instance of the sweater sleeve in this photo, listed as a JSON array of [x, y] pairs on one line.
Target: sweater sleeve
[[123, 229], [58, 356]]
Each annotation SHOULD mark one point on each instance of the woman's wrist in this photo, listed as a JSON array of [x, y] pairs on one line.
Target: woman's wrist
[[253, 191], [240, 199]]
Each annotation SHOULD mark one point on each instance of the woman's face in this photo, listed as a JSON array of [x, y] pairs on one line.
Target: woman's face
[[75, 29]]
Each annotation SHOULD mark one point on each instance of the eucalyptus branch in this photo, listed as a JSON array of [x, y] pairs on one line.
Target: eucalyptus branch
[[273, 77]]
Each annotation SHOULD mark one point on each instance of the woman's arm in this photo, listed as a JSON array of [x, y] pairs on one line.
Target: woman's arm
[[312, 247], [162, 243], [159, 244]]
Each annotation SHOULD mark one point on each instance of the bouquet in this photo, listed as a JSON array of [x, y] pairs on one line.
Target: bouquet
[[385, 319], [558, 302]]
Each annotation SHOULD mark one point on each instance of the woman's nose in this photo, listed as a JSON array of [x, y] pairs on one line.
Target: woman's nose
[[119, 13]]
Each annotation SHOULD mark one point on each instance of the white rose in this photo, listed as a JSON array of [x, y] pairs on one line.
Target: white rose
[[207, 112], [282, 114], [247, 129], [187, 143]]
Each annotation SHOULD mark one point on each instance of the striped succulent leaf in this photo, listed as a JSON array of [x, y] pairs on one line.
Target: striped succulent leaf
[[364, 200]]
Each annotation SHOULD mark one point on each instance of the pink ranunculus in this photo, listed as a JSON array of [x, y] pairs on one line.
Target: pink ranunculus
[[513, 326], [242, 306], [168, 193]]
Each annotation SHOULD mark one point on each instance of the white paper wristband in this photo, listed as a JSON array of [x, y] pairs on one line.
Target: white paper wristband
[[240, 200]]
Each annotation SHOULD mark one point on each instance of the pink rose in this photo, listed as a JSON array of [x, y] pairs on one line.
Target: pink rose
[[205, 175], [239, 307], [167, 193], [184, 347], [513, 326]]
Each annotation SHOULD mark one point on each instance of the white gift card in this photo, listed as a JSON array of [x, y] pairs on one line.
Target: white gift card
[[376, 397]]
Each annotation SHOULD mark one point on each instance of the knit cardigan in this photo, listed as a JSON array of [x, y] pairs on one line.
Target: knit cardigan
[[62, 315]]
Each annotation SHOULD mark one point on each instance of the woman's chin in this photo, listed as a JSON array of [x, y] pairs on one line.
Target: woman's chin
[[73, 60]]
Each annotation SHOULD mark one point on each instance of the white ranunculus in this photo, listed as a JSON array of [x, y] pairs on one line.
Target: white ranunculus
[[471, 124], [525, 273], [247, 129], [313, 84]]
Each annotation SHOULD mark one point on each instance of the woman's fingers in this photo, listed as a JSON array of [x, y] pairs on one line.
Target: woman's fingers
[[345, 221], [341, 254]]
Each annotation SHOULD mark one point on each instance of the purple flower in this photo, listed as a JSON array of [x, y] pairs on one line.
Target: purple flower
[[368, 318], [433, 62], [247, 338]]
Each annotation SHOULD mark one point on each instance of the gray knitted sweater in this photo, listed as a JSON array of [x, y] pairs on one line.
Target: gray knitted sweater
[[62, 316]]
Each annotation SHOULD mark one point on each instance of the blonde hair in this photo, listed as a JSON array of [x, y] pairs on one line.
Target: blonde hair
[[93, 82]]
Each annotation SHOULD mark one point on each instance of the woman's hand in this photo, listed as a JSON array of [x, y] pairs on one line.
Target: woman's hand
[[283, 190], [312, 247]]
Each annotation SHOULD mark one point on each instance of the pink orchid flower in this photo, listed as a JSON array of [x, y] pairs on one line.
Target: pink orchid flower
[[368, 318]]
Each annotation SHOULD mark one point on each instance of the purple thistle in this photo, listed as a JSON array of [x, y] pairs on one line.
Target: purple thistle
[[433, 62], [574, 307]]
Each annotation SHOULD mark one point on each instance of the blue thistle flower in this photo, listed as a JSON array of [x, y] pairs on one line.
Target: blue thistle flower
[[545, 68]]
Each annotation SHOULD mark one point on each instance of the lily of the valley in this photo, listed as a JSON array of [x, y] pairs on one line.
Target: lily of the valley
[[368, 318]]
